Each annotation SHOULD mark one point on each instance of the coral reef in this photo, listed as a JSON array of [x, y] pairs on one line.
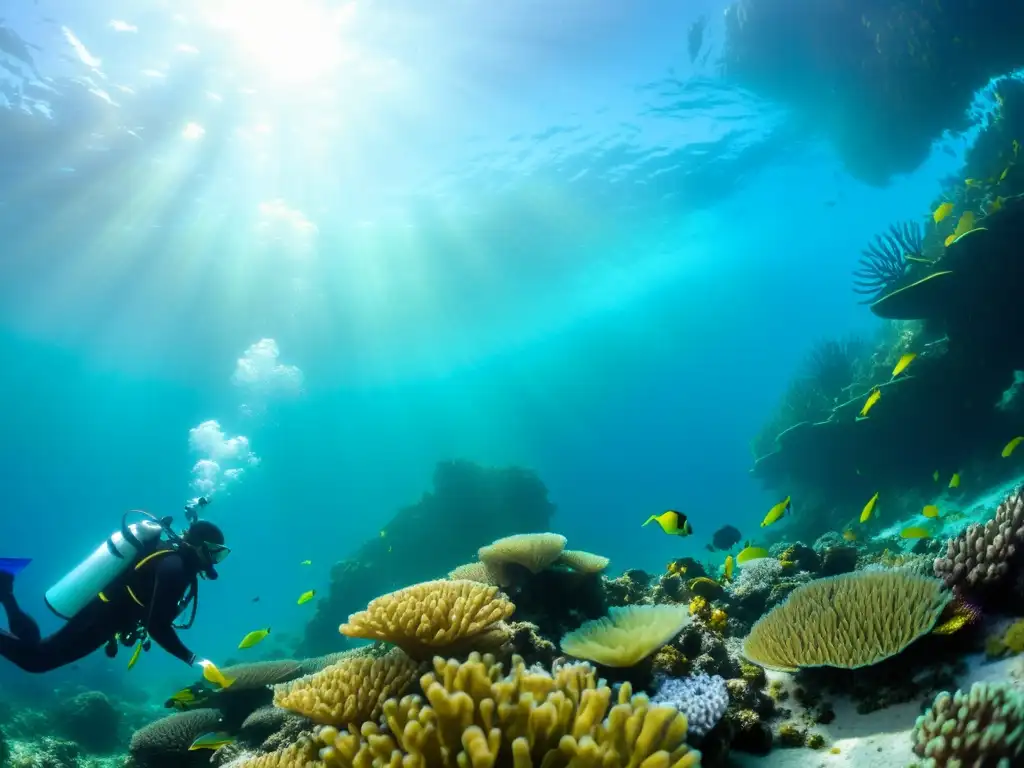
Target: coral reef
[[627, 636], [886, 262], [91, 720], [983, 726], [702, 698], [435, 617], [469, 506], [848, 621]]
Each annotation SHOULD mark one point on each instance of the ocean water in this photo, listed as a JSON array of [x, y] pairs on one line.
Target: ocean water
[[365, 238]]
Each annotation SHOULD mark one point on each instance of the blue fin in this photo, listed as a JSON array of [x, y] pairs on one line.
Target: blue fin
[[14, 565]]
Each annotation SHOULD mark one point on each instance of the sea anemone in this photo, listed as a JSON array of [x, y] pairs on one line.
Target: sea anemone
[[885, 261]]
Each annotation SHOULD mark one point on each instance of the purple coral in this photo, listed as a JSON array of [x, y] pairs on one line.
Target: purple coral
[[702, 698], [979, 557]]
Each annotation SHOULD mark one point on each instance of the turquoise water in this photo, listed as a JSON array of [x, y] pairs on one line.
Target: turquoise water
[[522, 236]]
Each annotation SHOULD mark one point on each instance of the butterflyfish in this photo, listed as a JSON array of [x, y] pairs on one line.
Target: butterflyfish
[[672, 522], [255, 637], [135, 655], [904, 361], [212, 674], [775, 513], [914, 532], [751, 553], [930, 510], [942, 212], [954, 481], [212, 741], [305, 597], [1011, 446], [868, 508], [874, 397], [729, 564]]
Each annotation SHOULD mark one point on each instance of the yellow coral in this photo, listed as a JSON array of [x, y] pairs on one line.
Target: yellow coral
[[1013, 638], [718, 620], [705, 587], [475, 716], [583, 562], [472, 572], [847, 621], [698, 606], [435, 616], [351, 691], [627, 635], [303, 753]]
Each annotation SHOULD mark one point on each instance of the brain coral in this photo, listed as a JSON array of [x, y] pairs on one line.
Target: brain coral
[[474, 715], [162, 743], [847, 621], [980, 555], [982, 727], [351, 691], [628, 635], [435, 616]]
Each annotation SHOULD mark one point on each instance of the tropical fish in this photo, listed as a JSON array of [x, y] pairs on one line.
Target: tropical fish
[[1002, 176], [306, 562], [963, 226], [935, 475], [725, 537], [1011, 446], [949, 239], [188, 698], [212, 741], [914, 532], [776, 512], [305, 597], [256, 599], [996, 205], [672, 522], [942, 212], [970, 183], [849, 534], [930, 510], [135, 655], [751, 553], [383, 533], [904, 361], [868, 508], [214, 675], [954, 481], [254, 638], [728, 567], [874, 397]]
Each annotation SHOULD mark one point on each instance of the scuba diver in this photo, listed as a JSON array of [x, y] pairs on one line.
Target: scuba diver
[[130, 590]]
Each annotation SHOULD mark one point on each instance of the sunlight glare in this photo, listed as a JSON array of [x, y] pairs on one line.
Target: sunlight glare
[[193, 131], [290, 41]]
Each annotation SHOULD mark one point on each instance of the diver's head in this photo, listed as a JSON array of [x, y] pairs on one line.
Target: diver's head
[[207, 541]]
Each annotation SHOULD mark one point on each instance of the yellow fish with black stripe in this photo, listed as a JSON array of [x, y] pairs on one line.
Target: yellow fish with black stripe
[[672, 522]]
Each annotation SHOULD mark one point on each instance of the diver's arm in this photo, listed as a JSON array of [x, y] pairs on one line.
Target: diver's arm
[[173, 580]]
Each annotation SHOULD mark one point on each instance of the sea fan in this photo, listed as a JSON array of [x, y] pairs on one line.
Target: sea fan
[[885, 261], [832, 365]]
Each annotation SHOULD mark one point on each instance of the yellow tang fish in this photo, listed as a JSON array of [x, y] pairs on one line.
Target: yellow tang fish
[[930, 510], [874, 397], [1002, 176], [1011, 446], [254, 638], [849, 534], [305, 597], [212, 741], [965, 225], [751, 553], [868, 508], [949, 239], [776, 512], [914, 532], [306, 562], [942, 212], [954, 481], [212, 674], [728, 567], [672, 522], [935, 475], [135, 655], [904, 361]]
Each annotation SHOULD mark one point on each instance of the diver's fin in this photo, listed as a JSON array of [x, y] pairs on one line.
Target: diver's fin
[[14, 565]]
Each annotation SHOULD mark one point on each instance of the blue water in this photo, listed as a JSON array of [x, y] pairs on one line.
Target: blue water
[[517, 235]]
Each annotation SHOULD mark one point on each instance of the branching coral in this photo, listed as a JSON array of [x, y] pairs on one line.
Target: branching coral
[[885, 261], [628, 635], [982, 727], [848, 621], [979, 557], [435, 616], [351, 691], [475, 716]]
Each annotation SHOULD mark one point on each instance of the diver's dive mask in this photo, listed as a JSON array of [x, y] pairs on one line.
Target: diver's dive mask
[[216, 552]]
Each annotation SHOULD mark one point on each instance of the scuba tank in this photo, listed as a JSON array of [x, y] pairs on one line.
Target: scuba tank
[[106, 563]]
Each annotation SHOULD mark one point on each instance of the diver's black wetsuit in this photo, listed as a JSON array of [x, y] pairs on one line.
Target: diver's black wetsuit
[[159, 585]]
